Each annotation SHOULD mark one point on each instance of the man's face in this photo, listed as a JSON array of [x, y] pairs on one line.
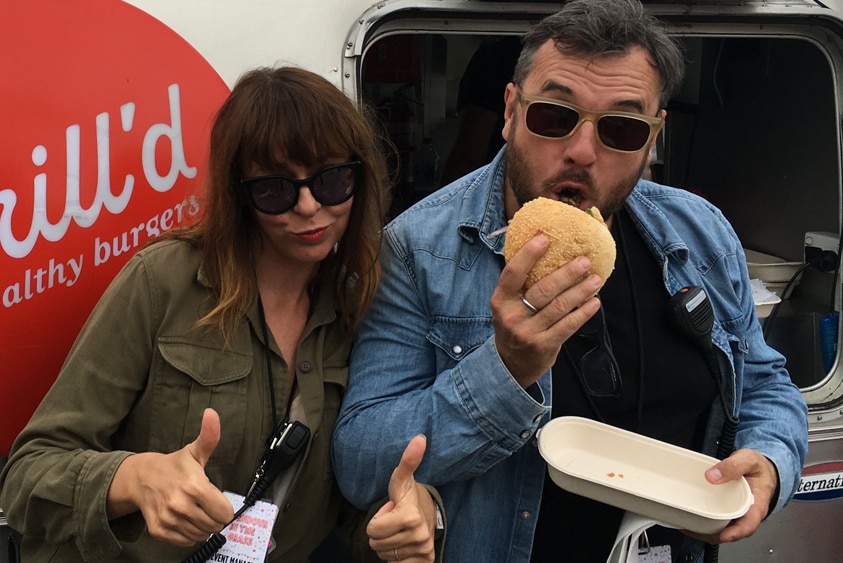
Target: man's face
[[578, 168]]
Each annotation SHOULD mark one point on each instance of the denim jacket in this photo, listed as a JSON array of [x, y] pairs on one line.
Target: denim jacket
[[425, 362]]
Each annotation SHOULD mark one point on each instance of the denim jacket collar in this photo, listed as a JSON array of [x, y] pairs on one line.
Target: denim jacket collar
[[483, 212]]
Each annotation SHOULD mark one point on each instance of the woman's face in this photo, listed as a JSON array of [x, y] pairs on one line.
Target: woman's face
[[307, 232]]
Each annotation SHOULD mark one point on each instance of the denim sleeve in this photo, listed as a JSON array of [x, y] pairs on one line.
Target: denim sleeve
[[773, 415], [471, 410]]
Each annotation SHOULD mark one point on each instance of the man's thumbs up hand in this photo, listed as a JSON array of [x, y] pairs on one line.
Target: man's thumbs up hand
[[180, 505], [403, 528]]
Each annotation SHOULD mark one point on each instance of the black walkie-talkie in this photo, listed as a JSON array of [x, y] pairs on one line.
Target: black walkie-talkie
[[691, 312]]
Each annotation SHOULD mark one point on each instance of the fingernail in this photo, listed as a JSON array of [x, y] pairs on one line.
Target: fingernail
[[715, 474], [583, 263]]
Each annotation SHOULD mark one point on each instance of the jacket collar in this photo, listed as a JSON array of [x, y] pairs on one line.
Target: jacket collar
[[482, 212]]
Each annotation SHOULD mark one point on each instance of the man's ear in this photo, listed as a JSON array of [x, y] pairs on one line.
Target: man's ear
[[510, 98]]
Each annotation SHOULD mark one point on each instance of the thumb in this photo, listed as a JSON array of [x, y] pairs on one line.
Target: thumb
[[209, 436], [402, 480]]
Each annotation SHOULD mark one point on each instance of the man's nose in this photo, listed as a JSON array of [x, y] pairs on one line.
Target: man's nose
[[582, 145]]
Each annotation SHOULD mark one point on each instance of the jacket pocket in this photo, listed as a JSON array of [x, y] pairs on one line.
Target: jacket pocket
[[195, 376], [456, 338]]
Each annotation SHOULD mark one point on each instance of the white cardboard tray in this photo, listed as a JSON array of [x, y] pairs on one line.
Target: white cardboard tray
[[639, 474], [770, 268]]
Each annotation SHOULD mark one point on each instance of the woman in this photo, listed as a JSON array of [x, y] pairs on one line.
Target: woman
[[209, 339]]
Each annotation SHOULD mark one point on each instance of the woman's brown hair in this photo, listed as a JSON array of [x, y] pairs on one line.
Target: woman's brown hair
[[297, 115]]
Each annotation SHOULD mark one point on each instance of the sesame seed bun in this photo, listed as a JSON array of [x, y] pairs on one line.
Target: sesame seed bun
[[572, 232]]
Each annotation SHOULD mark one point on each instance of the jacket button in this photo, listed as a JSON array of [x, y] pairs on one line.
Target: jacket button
[[457, 349], [525, 434], [525, 515], [305, 367], [537, 419]]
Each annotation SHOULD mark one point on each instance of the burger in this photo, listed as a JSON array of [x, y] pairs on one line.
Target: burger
[[572, 232]]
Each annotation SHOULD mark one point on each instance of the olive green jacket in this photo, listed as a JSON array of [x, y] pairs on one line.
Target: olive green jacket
[[138, 379]]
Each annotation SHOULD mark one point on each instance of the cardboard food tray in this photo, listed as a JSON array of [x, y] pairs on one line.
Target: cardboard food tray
[[646, 476], [764, 308], [768, 268]]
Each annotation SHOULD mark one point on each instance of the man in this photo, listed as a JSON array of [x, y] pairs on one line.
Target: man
[[453, 349]]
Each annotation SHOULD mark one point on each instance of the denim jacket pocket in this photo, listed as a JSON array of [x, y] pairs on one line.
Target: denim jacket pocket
[[456, 338], [195, 376]]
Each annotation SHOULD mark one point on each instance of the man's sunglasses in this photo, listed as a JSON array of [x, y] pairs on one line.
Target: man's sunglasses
[[598, 368], [331, 185], [616, 130]]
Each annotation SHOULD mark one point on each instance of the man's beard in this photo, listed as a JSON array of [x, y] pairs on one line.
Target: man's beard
[[524, 187]]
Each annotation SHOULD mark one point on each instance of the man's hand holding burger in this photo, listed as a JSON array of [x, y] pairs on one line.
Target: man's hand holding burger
[[558, 257]]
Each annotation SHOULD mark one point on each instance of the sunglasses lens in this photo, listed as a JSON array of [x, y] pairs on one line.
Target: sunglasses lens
[[623, 133], [334, 185], [273, 195], [550, 120], [600, 374], [598, 368]]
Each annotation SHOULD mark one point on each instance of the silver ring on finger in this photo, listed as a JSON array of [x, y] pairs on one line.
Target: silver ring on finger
[[529, 305], [396, 555]]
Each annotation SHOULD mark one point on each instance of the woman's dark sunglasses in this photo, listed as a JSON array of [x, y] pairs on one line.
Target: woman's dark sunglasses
[[599, 370], [616, 130], [331, 185]]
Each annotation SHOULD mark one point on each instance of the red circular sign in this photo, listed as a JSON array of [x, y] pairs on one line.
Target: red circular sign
[[105, 121]]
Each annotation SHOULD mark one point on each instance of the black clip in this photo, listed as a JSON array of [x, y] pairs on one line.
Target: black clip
[[286, 443]]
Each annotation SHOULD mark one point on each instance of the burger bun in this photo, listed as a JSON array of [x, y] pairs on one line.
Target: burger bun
[[572, 233]]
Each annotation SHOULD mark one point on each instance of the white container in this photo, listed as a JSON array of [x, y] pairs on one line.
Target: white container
[[778, 288], [764, 308], [771, 269], [639, 474]]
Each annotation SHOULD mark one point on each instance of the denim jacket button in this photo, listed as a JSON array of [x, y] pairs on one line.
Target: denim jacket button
[[525, 515], [525, 434], [457, 349], [537, 419], [305, 367]]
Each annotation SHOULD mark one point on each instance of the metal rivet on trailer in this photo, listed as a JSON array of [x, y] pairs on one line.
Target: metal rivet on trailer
[[349, 44]]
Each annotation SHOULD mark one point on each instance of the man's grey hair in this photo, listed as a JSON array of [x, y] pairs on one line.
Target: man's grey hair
[[600, 28]]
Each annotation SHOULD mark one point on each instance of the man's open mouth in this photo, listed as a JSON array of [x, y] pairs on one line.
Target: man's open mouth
[[570, 196]]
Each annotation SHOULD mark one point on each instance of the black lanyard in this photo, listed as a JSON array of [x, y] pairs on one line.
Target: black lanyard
[[268, 353]]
